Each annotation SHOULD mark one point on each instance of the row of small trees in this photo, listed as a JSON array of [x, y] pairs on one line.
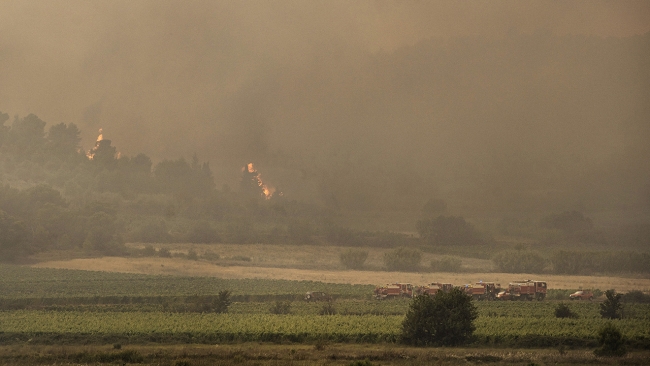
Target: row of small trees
[[572, 262], [399, 259]]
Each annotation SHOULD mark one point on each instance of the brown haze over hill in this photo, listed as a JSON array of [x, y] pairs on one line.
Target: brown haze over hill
[[498, 105]]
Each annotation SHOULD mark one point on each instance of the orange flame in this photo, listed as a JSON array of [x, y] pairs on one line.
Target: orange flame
[[90, 154], [267, 190]]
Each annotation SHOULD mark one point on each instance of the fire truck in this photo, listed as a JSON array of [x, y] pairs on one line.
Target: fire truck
[[434, 287], [394, 290], [524, 290], [484, 290]]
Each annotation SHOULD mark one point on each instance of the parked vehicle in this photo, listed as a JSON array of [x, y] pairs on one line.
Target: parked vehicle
[[524, 290], [433, 288], [484, 290], [394, 290], [317, 296], [582, 295]]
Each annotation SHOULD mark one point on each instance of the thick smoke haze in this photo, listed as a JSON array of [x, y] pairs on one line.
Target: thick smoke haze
[[490, 105]]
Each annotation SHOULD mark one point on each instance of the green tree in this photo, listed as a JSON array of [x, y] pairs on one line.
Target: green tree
[[446, 319], [27, 135], [222, 302], [611, 307], [611, 342], [353, 259], [563, 311], [14, 237], [63, 140]]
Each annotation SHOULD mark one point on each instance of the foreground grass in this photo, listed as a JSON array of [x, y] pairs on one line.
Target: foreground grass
[[320, 353]]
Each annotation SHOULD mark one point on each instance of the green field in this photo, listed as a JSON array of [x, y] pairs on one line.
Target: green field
[[50, 306]]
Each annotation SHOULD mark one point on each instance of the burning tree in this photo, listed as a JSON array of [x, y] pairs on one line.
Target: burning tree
[[252, 184]]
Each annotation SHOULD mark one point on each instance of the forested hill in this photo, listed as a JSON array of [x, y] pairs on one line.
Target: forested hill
[[55, 195]]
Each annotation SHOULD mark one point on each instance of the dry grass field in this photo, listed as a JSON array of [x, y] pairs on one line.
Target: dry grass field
[[314, 263]]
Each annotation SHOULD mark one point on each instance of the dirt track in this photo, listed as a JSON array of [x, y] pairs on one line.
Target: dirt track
[[183, 267]]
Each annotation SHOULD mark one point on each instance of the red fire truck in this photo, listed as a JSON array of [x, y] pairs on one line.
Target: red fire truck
[[524, 290], [484, 290], [434, 287], [394, 290]]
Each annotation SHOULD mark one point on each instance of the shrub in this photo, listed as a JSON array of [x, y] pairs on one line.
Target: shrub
[[446, 319], [164, 252], [210, 255], [328, 308], [611, 307], [519, 261], [563, 311], [636, 296], [192, 255], [403, 259], [281, 307], [611, 342], [353, 259], [446, 264]]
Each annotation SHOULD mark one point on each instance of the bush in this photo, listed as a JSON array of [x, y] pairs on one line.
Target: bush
[[448, 231], [353, 259], [403, 259], [446, 264], [636, 296], [611, 342], [611, 307], [563, 311], [192, 255], [446, 319], [519, 261], [164, 253], [328, 308], [281, 307]]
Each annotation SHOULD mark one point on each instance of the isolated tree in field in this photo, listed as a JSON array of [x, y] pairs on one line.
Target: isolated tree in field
[[402, 259], [563, 311], [611, 342], [446, 319], [353, 258], [222, 302], [610, 308]]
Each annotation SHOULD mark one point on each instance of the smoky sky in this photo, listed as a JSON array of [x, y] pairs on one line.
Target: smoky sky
[[485, 103]]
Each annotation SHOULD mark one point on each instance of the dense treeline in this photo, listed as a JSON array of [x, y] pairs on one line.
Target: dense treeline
[[58, 196]]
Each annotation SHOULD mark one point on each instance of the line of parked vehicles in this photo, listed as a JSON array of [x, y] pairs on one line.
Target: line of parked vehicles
[[517, 290], [489, 291]]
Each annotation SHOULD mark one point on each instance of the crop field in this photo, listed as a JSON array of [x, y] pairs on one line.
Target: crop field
[[53, 306]]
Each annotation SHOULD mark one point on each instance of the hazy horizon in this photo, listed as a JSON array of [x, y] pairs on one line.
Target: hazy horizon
[[490, 105]]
